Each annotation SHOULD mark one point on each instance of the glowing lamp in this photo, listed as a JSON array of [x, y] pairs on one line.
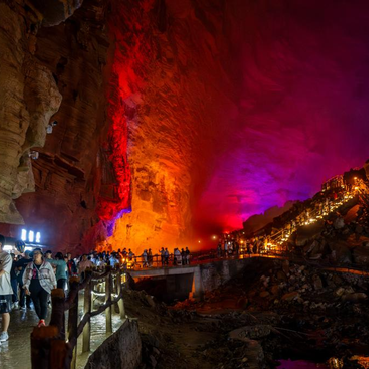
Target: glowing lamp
[[31, 236], [38, 237], [24, 235]]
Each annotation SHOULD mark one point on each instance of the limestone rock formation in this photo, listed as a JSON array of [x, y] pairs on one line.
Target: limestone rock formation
[[29, 98], [178, 118]]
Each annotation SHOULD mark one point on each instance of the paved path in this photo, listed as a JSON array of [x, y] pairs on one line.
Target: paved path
[[15, 354]]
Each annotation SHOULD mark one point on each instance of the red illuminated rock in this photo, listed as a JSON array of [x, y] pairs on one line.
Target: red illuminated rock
[[194, 115]]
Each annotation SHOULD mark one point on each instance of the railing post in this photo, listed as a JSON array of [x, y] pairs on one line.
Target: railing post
[[48, 347], [109, 328], [118, 282], [72, 323], [57, 312], [87, 310]]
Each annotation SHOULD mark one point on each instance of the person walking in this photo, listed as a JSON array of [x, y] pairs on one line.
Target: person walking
[[71, 266], [13, 282], [188, 256], [83, 265], [21, 265], [6, 291], [219, 250], [61, 270], [150, 257], [145, 257], [166, 256], [184, 256], [38, 281]]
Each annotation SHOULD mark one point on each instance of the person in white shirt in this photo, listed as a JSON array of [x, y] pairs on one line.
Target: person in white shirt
[[5, 290]]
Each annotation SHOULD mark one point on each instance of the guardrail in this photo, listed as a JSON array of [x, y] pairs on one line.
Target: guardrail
[[49, 347]]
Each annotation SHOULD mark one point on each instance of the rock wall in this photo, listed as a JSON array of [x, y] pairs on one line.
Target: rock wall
[[218, 273], [70, 61], [29, 97], [122, 350], [193, 115]]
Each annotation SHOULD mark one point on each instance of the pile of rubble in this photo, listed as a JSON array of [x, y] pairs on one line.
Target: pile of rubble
[[287, 310], [334, 240], [290, 282]]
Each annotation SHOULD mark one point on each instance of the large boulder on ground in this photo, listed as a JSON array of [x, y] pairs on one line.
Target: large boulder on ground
[[264, 294], [252, 331], [290, 296], [341, 253], [281, 276], [354, 297], [274, 290], [361, 255], [308, 232], [317, 282], [254, 352]]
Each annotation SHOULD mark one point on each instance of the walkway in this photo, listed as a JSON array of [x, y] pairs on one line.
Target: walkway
[[15, 354]]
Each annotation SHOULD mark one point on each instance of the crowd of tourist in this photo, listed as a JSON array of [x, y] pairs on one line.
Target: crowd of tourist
[[28, 277]]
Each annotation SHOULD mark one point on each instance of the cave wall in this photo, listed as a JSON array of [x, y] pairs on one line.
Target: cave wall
[[67, 64], [177, 119]]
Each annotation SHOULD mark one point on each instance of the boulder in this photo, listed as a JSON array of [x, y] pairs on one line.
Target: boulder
[[341, 253], [317, 283], [253, 332], [337, 280], [339, 223], [354, 297], [281, 276], [290, 296], [340, 291], [361, 255], [349, 290], [274, 290]]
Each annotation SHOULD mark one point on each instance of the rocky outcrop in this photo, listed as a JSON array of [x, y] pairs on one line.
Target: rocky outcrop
[[29, 98], [50, 64]]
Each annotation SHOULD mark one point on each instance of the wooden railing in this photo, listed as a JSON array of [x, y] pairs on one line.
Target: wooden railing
[[49, 348]]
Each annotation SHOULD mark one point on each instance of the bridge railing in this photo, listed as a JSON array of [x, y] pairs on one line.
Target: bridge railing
[[49, 347]]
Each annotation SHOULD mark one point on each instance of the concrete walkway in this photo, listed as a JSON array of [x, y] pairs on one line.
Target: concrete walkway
[[16, 353]]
